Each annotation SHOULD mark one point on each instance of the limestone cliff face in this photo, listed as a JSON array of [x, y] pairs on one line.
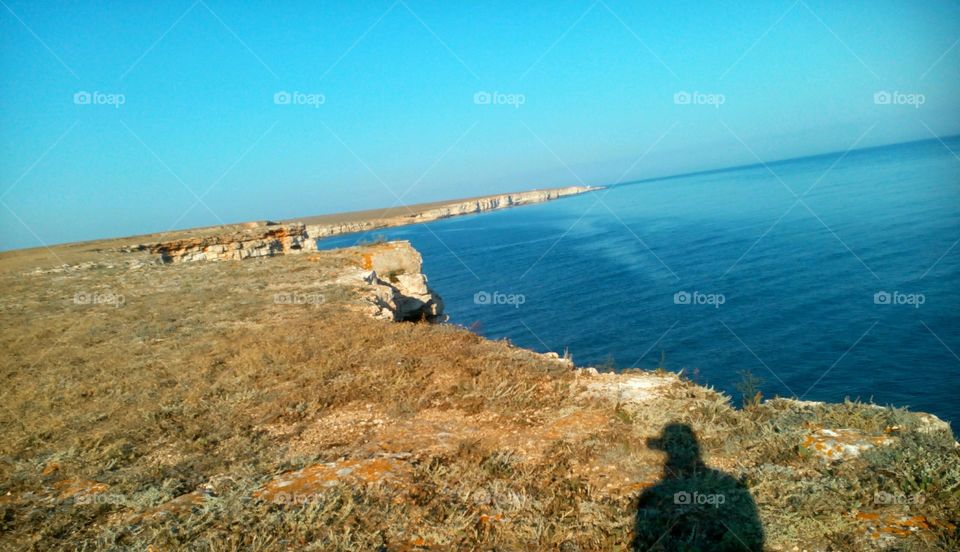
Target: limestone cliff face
[[388, 276], [264, 239], [242, 243], [390, 281], [489, 203]]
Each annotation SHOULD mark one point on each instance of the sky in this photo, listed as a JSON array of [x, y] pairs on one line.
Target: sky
[[125, 118]]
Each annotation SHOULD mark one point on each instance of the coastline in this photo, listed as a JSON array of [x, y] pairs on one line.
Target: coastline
[[264, 387], [426, 212], [267, 239], [324, 227], [311, 227]]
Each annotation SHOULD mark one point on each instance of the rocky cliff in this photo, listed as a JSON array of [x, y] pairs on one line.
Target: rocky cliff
[[389, 279], [414, 216], [238, 244], [266, 239], [268, 404]]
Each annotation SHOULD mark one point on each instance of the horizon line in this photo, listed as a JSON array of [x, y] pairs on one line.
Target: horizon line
[[730, 168], [777, 161]]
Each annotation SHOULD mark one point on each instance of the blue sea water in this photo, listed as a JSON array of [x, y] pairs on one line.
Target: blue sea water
[[827, 277]]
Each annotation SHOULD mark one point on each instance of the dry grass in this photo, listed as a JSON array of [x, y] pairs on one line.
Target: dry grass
[[200, 387]]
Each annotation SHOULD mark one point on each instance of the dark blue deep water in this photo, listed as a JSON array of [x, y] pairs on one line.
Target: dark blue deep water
[[797, 252]]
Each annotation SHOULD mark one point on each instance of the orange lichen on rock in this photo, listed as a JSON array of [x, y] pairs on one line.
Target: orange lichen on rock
[[891, 525], [72, 488], [841, 444], [637, 487], [377, 469], [182, 504], [487, 519], [366, 261], [233, 243], [302, 485], [176, 507]]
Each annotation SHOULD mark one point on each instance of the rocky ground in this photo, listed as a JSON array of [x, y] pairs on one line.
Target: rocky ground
[[277, 402]]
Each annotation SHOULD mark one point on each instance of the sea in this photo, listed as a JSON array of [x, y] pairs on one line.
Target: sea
[[823, 278]]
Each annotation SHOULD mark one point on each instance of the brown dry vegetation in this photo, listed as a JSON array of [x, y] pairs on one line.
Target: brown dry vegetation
[[181, 418]]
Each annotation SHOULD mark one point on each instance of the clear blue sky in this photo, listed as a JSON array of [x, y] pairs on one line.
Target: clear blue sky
[[398, 117]]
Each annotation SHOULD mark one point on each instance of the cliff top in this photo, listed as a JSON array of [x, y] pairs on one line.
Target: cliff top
[[255, 404]]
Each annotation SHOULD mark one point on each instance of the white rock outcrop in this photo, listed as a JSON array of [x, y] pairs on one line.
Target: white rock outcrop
[[241, 243], [391, 283]]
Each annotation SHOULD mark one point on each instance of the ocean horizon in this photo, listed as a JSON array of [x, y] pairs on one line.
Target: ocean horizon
[[826, 277]]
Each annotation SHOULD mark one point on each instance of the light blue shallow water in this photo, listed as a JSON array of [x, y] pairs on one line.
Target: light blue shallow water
[[598, 274]]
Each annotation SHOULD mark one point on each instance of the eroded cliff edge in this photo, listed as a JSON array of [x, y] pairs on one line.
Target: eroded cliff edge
[[262, 402], [266, 239], [414, 215]]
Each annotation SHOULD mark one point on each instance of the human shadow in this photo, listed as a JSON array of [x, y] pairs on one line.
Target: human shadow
[[694, 507]]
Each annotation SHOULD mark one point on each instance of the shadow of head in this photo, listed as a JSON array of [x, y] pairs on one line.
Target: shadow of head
[[694, 507], [680, 444]]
